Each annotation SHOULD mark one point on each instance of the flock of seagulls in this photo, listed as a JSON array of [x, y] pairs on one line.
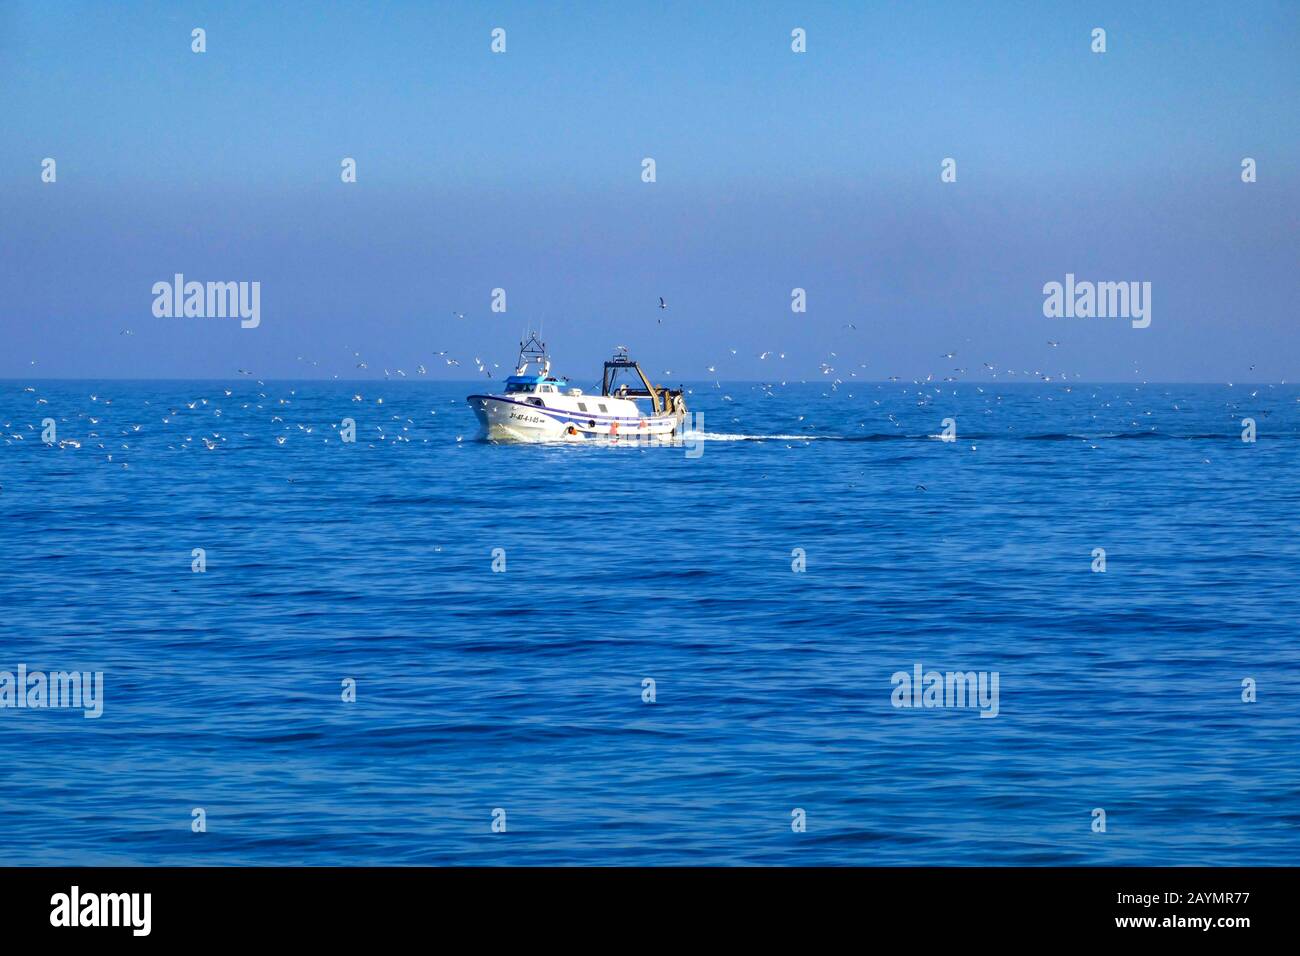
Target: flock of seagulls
[[184, 431]]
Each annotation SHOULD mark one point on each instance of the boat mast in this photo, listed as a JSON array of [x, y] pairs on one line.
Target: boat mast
[[533, 351]]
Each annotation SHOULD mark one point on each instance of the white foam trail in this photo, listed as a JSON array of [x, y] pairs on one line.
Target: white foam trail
[[727, 436]]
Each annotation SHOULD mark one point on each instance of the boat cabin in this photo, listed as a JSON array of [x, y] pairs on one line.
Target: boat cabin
[[535, 385]]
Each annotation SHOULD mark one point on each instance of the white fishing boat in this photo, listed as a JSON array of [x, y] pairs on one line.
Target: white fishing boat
[[538, 406]]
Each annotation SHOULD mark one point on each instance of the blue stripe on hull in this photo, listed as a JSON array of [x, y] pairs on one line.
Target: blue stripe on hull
[[575, 418]]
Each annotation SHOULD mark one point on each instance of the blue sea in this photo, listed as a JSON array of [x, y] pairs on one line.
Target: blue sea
[[521, 696]]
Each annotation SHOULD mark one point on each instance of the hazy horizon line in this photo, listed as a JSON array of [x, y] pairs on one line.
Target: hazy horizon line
[[734, 381]]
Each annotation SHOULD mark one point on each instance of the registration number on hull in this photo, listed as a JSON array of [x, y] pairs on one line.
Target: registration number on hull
[[527, 419]]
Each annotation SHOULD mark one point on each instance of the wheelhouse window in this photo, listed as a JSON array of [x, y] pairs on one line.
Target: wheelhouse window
[[514, 387], [582, 406], [603, 408]]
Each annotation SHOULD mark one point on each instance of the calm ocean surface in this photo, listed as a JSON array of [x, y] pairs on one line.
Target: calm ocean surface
[[523, 690]]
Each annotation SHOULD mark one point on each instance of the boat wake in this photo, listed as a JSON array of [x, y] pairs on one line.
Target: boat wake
[[971, 436], [729, 436], [691, 437]]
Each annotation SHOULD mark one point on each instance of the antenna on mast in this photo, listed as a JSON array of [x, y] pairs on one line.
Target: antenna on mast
[[532, 351]]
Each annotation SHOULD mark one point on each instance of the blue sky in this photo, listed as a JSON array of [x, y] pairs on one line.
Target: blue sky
[[775, 170]]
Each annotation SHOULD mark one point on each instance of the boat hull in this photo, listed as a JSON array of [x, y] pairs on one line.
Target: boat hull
[[507, 420]]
